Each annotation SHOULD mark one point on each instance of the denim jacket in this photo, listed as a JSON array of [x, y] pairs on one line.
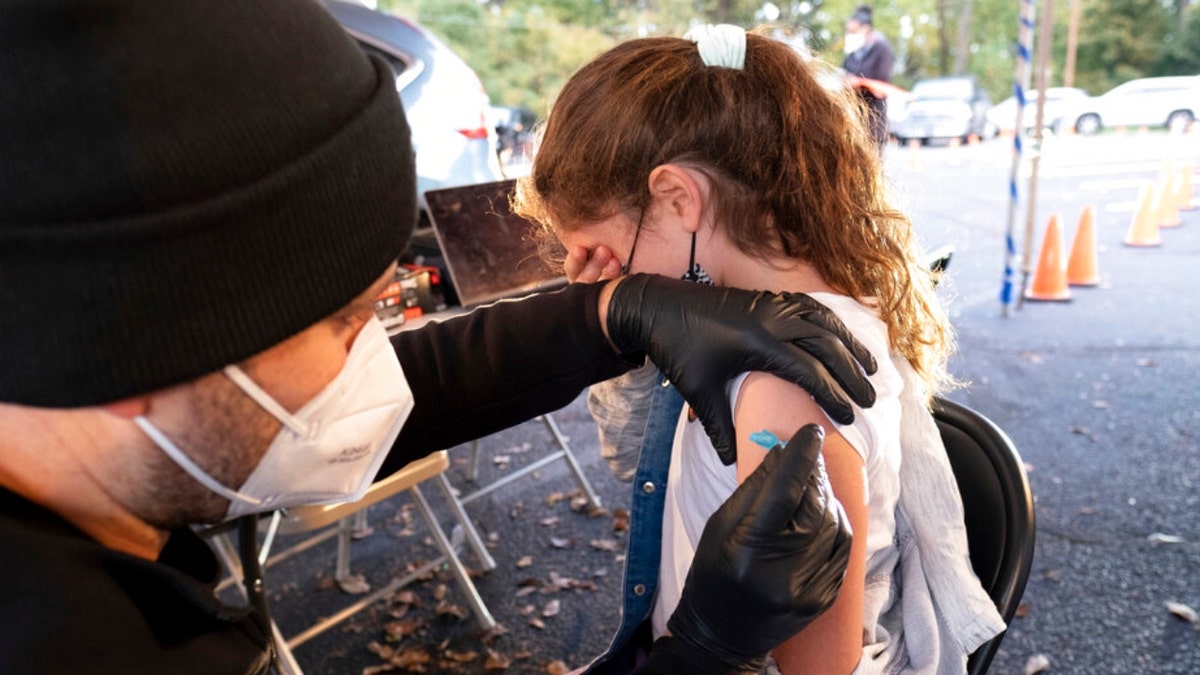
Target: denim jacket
[[637, 414]]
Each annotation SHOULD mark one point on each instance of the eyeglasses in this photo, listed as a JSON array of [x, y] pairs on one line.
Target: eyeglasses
[[633, 247]]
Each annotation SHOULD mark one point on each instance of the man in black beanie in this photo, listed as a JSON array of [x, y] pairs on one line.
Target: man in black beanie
[[198, 204]]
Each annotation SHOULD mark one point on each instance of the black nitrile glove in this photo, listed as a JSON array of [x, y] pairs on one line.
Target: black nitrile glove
[[770, 560], [702, 336]]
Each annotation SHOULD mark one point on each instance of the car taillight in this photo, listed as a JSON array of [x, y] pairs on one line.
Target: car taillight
[[476, 132]]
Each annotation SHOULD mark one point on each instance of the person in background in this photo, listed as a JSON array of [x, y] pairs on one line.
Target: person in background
[[199, 203], [720, 159], [868, 57]]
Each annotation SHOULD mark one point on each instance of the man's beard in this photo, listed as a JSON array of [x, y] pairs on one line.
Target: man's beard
[[227, 435]]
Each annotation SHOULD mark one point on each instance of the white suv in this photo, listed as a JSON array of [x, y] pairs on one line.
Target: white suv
[[444, 101], [1149, 101]]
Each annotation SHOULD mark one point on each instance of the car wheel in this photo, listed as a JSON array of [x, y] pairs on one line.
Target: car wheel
[[1088, 124], [1179, 119]]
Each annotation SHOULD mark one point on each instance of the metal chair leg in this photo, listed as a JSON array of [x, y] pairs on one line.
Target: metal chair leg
[[460, 514], [460, 573], [561, 440], [285, 660], [341, 568], [473, 467]]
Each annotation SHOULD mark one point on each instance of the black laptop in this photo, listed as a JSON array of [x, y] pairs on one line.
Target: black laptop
[[489, 251]]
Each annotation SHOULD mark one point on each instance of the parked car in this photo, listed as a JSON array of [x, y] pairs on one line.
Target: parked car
[[942, 108], [1148, 101], [1003, 115], [514, 128], [446, 105]]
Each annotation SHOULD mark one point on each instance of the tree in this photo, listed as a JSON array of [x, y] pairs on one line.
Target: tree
[[524, 50], [1181, 53], [1119, 40]]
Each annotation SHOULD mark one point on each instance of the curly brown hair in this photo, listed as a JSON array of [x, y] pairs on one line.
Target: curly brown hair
[[792, 171]]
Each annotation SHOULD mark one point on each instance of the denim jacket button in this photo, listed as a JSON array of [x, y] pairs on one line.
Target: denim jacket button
[[639, 589], [648, 487]]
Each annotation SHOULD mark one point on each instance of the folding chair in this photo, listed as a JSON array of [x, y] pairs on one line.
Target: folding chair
[[563, 453], [998, 508], [342, 521]]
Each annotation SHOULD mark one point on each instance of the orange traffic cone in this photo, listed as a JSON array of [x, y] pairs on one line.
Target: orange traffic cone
[[1168, 210], [1164, 192], [1143, 230], [1183, 196], [1083, 265], [914, 149], [1050, 279]]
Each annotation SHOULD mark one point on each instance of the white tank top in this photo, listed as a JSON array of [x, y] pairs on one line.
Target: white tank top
[[697, 482]]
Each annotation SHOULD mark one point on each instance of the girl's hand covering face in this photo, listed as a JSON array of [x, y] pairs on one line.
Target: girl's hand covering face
[[584, 266]]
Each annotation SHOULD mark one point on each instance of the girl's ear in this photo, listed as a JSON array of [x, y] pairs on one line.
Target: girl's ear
[[678, 196]]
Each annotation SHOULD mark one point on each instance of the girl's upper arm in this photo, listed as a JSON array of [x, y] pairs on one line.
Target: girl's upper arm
[[833, 642]]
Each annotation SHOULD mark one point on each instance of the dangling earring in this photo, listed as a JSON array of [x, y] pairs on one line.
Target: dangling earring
[[695, 272]]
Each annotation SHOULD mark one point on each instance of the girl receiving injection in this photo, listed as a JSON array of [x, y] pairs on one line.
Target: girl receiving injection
[[719, 158]]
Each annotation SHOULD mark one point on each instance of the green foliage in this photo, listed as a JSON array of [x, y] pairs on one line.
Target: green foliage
[[1181, 53], [524, 50], [1119, 40]]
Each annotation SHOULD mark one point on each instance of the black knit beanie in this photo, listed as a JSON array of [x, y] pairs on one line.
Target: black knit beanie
[[184, 185]]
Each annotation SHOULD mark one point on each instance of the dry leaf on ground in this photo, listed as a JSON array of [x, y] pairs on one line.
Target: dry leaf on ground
[[1036, 664], [557, 668], [408, 658], [525, 561], [551, 608], [496, 661], [451, 609], [1183, 612], [406, 597], [398, 630], [620, 520], [461, 657], [355, 584]]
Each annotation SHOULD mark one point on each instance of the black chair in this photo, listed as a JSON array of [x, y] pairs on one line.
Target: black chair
[[998, 506]]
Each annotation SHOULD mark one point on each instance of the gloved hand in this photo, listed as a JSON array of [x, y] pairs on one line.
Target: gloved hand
[[770, 560], [702, 336]]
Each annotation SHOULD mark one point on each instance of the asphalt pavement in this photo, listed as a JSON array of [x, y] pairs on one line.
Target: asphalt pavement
[[1097, 393]]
